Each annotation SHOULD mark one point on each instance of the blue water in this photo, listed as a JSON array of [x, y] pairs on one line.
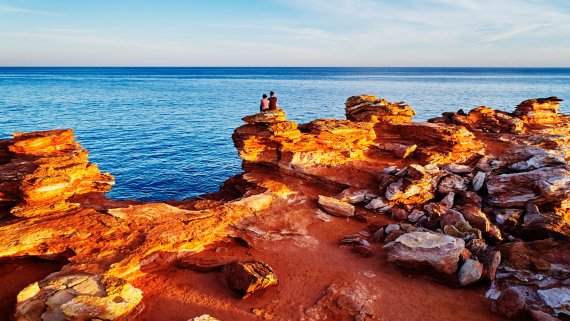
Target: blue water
[[165, 133]]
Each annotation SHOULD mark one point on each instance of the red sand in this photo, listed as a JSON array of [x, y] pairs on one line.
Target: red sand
[[304, 273]]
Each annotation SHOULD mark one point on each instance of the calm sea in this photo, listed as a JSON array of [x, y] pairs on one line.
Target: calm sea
[[165, 133]]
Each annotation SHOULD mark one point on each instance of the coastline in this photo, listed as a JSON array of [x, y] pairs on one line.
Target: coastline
[[372, 173]]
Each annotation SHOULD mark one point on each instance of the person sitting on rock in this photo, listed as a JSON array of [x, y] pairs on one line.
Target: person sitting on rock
[[272, 101], [264, 103]]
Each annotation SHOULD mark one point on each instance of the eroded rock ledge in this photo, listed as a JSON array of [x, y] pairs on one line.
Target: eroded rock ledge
[[482, 196]]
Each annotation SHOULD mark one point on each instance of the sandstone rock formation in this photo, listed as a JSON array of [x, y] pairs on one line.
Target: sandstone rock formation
[[41, 171], [539, 111], [367, 108], [466, 198]]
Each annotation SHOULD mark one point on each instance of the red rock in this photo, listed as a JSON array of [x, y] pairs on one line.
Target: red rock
[[437, 143], [335, 207], [512, 302], [248, 277], [548, 184], [420, 250], [485, 119], [204, 264], [543, 266], [539, 225], [363, 250], [451, 183], [491, 261], [399, 214], [345, 301], [470, 272], [539, 111], [538, 315], [476, 218], [45, 170], [366, 108], [415, 215], [451, 217]]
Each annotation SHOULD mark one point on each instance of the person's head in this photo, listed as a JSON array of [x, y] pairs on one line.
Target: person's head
[[271, 94], [264, 96]]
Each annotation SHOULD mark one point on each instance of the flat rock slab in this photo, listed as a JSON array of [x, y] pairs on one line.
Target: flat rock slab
[[420, 250]]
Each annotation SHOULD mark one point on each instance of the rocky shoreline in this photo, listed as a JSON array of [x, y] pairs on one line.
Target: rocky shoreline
[[466, 199]]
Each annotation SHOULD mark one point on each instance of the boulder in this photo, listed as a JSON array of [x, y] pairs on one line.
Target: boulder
[[451, 217], [476, 218], [452, 183], [541, 225], [248, 277], [415, 215], [345, 301], [491, 261], [544, 185], [335, 207], [470, 272], [426, 250]]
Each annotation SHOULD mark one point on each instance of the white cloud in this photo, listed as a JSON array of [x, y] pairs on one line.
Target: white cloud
[[8, 9]]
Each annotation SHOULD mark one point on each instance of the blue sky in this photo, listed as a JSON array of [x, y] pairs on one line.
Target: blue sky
[[285, 33]]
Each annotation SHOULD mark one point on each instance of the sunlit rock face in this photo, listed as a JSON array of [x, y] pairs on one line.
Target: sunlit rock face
[[465, 198], [484, 119], [42, 170], [539, 111], [367, 108]]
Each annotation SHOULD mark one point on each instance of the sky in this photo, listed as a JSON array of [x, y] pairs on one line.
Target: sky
[[395, 33]]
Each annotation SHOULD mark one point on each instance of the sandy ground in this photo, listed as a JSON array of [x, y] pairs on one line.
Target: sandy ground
[[304, 273]]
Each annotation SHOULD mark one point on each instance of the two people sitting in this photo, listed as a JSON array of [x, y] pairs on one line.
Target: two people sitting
[[268, 104]]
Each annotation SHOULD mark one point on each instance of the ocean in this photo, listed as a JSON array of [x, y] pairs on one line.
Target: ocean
[[165, 133]]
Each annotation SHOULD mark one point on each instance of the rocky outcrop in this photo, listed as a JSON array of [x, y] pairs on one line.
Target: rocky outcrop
[[466, 198], [41, 171], [539, 111], [260, 139], [436, 143], [484, 119], [368, 108]]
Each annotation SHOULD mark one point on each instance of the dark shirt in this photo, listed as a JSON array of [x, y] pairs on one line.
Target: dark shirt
[[273, 102]]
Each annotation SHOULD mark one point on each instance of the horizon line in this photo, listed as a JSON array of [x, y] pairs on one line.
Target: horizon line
[[230, 66]]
